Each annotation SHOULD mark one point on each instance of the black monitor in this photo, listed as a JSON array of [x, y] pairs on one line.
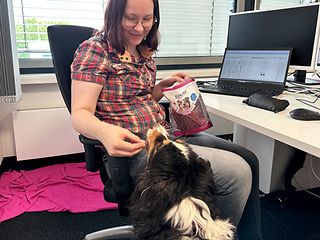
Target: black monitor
[[294, 27]]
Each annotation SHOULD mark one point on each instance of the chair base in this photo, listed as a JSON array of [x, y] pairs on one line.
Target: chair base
[[112, 233]]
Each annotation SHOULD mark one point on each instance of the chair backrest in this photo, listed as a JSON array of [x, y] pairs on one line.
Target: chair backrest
[[64, 40]]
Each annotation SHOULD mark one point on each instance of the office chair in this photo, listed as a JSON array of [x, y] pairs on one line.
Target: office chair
[[63, 41]]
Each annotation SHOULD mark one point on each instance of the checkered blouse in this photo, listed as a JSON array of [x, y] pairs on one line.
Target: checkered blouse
[[125, 99]]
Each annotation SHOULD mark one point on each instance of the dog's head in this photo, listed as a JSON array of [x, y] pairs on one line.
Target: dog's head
[[171, 158], [159, 140], [174, 159]]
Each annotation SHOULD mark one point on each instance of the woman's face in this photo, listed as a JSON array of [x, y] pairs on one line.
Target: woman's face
[[137, 21]]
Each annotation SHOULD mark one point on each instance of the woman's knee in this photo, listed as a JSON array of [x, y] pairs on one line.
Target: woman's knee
[[242, 176], [207, 140], [232, 173]]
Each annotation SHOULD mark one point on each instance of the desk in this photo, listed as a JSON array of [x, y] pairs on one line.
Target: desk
[[269, 135]]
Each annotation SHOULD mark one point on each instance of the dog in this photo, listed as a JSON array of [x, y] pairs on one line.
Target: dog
[[174, 195]]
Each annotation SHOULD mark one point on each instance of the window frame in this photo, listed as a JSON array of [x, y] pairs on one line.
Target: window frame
[[44, 65]]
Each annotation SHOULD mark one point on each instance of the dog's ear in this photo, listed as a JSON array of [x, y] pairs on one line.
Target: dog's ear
[[203, 183]]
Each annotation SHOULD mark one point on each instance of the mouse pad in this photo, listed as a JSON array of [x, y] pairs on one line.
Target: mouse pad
[[266, 102]]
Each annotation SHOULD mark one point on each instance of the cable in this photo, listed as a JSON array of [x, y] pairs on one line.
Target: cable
[[314, 101], [307, 90], [296, 88], [295, 85], [302, 188], [316, 176], [309, 103], [312, 169]]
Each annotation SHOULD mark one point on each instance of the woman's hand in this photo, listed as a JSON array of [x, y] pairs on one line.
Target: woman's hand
[[168, 82], [120, 142], [172, 79]]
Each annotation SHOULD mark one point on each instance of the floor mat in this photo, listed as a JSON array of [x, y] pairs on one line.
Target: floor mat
[[57, 188]]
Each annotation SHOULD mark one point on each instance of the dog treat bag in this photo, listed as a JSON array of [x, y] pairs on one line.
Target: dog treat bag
[[188, 114]]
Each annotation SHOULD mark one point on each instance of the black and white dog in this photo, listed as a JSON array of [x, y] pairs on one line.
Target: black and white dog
[[174, 195]]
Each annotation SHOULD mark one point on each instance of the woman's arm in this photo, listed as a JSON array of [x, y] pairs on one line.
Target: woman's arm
[[118, 141]]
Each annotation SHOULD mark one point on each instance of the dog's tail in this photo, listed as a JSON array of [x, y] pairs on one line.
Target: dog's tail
[[191, 217]]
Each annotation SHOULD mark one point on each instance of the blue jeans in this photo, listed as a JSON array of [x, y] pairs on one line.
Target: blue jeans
[[232, 176], [249, 226]]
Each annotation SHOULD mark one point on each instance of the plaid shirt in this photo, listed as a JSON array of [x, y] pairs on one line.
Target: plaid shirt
[[125, 99]]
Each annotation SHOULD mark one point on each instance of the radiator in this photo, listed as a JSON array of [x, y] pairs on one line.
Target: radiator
[[44, 133]]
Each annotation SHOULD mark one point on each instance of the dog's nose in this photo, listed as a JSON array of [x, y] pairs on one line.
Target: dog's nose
[[153, 129], [149, 132]]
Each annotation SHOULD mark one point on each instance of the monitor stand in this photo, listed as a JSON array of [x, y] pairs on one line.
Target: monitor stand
[[301, 76]]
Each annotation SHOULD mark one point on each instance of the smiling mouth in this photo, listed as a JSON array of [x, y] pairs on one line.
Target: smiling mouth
[[136, 35]]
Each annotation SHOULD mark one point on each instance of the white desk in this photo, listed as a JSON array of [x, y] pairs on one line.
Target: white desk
[[269, 135]]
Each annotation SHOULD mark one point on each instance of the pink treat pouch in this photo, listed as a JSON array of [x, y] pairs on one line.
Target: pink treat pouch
[[188, 114]]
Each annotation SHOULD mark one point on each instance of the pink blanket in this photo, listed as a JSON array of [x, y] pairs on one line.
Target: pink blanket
[[62, 187]]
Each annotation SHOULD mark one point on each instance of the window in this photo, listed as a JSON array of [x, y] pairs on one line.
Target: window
[[33, 16], [194, 28], [188, 28], [269, 4]]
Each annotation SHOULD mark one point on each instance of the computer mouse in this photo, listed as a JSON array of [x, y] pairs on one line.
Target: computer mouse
[[304, 114]]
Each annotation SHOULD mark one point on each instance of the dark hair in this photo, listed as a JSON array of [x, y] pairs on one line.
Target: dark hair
[[113, 30]]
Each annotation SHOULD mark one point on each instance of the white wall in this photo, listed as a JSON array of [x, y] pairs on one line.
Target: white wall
[[38, 92], [6, 132]]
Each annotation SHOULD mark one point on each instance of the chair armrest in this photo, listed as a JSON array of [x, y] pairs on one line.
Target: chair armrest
[[92, 153], [86, 140]]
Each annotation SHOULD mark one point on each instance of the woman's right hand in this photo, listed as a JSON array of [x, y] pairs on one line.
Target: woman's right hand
[[120, 142]]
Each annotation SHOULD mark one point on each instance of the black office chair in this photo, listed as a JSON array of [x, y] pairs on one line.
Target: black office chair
[[64, 40]]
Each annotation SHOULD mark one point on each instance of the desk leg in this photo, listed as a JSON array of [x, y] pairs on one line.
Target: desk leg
[[273, 156]]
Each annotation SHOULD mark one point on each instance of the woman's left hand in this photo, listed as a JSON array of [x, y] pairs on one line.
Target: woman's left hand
[[172, 79], [168, 82]]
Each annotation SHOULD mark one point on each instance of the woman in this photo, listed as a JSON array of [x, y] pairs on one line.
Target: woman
[[115, 100]]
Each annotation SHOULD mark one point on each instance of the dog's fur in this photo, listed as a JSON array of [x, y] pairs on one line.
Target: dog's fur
[[174, 196]]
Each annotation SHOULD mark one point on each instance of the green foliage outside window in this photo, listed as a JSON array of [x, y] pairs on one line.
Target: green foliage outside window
[[32, 29]]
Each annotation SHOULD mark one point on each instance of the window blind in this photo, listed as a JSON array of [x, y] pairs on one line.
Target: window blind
[[194, 28], [10, 89], [188, 28]]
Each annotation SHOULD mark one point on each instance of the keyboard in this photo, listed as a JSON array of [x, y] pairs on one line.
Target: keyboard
[[235, 90]]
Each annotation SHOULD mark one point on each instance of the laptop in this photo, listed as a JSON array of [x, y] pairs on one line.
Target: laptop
[[245, 72]]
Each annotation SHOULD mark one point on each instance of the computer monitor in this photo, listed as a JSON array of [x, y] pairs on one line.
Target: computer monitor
[[292, 27], [317, 66]]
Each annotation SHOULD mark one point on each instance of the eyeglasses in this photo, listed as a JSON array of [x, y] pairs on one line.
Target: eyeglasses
[[146, 22]]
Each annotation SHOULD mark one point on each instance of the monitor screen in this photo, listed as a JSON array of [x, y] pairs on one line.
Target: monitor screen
[[295, 27], [261, 66]]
